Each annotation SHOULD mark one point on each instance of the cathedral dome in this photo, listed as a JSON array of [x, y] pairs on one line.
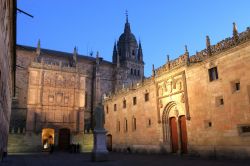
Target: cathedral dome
[[125, 37]]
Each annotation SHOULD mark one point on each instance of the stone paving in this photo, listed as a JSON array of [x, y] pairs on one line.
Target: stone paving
[[115, 159]]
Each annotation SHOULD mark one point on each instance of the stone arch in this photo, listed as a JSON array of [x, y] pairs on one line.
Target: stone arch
[[174, 127], [165, 119]]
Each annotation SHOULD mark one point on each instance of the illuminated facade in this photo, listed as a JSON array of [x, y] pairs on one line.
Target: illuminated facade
[[57, 91], [194, 104]]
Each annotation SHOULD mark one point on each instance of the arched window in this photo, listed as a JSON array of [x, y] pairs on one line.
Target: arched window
[[131, 71], [138, 72], [135, 72]]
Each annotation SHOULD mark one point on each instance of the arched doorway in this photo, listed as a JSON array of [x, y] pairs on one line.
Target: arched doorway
[[48, 136], [109, 142], [173, 134], [64, 139], [174, 128]]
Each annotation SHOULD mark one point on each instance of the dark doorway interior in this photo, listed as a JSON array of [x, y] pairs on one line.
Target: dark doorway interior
[[109, 142], [64, 139]]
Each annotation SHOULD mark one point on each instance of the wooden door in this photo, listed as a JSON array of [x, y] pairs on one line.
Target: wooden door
[[109, 142], [64, 139], [183, 132], [174, 134]]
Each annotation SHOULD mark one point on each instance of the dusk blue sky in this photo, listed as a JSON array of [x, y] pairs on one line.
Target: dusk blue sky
[[163, 26]]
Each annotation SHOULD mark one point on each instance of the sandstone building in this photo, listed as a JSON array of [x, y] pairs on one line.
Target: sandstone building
[[196, 104], [193, 104], [7, 66], [57, 92]]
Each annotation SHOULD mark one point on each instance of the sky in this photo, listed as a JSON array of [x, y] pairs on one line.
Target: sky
[[163, 26]]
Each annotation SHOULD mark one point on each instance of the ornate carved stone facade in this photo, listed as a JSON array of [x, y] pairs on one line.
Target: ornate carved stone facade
[[194, 104], [58, 91]]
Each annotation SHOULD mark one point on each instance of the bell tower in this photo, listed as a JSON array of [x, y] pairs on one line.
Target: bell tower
[[128, 57]]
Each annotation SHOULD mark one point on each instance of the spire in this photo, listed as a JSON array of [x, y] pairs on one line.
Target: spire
[[187, 55], [114, 53], [168, 62], [127, 25], [208, 45], [186, 49], [118, 60], [38, 49], [75, 55], [126, 16], [140, 54], [153, 70], [235, 33]]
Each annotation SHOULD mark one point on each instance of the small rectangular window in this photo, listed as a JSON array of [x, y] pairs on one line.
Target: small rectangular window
[[244, 130], [115, 107], [133, 124], [107, 109], [219, 101], [149, 122], [207, 124], [213, 74], [118, 127], [146, 96], [124, 104], [126, 125], [235, 86], [134, 100]]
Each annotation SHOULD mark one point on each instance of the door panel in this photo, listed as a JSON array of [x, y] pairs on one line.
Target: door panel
[[174, 134], [183, 132]]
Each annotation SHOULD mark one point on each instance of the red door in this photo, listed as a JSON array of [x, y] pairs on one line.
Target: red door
[[183, 131], [174, 134]]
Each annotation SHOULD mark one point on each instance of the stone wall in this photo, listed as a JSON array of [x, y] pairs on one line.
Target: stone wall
[[210, 111], [7, 57], [224, 135]]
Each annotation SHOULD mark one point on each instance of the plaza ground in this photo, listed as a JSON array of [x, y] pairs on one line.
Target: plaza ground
[[115, 159]]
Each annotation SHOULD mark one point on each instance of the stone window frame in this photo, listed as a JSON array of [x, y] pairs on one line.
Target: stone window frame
[[213, 74], [235, 86], [208, 124], [219, 101], [149, 122], [146, 96], [240, 129]]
